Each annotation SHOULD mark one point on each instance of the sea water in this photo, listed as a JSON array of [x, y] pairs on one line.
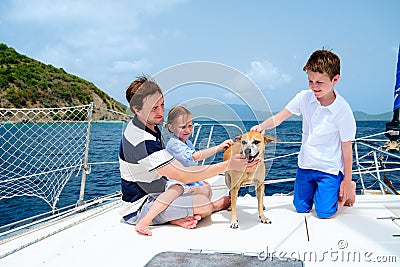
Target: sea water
[[104, 177]]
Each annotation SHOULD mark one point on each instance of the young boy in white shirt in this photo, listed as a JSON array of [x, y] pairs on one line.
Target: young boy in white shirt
[[323, 176]]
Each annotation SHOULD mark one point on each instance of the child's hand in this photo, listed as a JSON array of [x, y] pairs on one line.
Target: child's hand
[[225, 144]]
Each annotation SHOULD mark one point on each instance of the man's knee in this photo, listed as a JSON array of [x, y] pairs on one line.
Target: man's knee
[[178, 188], [202, 205], [207, 191]]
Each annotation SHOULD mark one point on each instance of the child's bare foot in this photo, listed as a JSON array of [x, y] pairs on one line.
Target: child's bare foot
[[143, 229], [222, 204], [350, 201], [188, 223]]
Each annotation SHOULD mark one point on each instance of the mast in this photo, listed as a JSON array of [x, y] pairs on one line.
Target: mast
[[394, 126]]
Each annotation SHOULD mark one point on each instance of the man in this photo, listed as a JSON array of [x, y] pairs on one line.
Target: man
[[144, 164]]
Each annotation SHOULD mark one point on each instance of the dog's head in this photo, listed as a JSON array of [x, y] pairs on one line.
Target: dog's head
[[252, 144]]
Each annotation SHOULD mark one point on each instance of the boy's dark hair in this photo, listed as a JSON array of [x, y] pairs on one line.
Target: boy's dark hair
[[139, 89], [323, 61]]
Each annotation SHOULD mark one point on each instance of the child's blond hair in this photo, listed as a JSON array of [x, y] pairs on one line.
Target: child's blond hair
[[175, 112]]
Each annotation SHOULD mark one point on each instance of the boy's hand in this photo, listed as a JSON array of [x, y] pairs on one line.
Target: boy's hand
[[345, 190]]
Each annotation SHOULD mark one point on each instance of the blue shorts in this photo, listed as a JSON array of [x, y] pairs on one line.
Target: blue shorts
[[318, 188]]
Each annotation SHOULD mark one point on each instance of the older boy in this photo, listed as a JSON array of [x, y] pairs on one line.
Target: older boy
[[325, 161]]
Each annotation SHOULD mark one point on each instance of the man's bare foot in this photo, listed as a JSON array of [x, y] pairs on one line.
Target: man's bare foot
[[143, 229], [350, 201], [188, 223], [222, 204]]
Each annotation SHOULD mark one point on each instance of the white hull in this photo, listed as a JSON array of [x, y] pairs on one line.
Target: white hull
[[98, 237], [363, 235]]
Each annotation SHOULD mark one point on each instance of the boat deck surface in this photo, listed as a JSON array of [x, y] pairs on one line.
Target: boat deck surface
[[357, 236]]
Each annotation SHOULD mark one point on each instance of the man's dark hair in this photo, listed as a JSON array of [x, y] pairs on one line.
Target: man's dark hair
[[142, 87]]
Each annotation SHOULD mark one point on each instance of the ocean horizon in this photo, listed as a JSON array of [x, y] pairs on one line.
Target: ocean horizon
[[104, 179]]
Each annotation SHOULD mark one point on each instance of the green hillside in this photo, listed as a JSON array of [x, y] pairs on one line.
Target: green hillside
[[28, 83]]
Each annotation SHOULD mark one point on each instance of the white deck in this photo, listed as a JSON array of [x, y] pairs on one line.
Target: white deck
[[354, 238]]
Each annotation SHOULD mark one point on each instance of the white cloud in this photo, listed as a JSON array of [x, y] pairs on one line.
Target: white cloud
[[88, 11], [266, 75], [132, 67], [92, 39]]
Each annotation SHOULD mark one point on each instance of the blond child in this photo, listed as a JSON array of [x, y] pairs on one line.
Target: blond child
[[181, 125]]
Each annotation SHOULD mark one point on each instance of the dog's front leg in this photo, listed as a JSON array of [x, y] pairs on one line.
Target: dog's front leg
[[234, 196], [260, 199]]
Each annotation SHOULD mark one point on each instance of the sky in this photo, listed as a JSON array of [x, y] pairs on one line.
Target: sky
[[110, 43]]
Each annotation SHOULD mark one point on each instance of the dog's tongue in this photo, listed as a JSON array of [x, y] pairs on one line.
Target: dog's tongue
[[250, 159]]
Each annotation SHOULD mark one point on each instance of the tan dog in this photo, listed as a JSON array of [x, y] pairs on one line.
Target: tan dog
[[252, 145]]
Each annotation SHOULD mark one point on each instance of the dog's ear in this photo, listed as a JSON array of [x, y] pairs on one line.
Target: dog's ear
[[237, 138], [268, 139]]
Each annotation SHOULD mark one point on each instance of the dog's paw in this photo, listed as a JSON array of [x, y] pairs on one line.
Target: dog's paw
[[234, 225], [265, 220]]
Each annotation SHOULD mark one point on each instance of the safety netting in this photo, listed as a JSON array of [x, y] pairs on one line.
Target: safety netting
[[40, 149]]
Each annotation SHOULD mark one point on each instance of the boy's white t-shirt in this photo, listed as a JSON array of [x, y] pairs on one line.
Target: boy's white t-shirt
[[324, 129]]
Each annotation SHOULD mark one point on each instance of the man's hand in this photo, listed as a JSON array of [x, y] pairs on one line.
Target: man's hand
[[238, 162], [251, 167]]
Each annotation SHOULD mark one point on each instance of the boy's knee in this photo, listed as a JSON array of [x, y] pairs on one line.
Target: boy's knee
[[323, 215], [326, 209], [302, 207], [326, 213]]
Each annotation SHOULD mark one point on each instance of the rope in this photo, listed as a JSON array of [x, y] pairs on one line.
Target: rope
[[116, 112], [283, 156], [38, 174], [369, 136], [41, 109]]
